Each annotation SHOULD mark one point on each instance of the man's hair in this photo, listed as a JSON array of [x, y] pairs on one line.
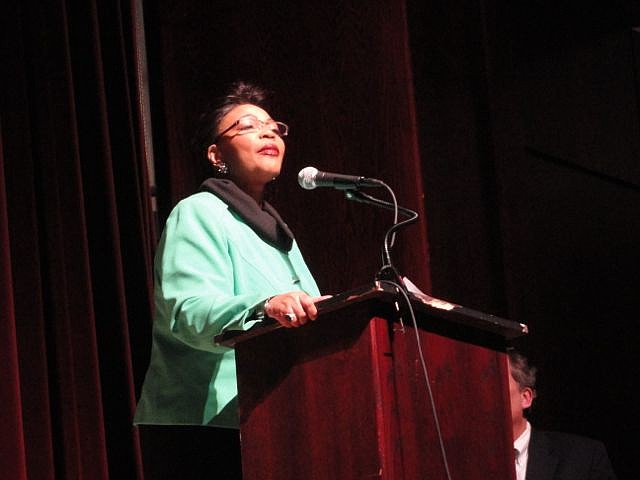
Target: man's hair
[[523, 373], [239, 93]]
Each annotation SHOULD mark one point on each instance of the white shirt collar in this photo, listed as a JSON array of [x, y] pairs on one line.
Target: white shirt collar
[[521, 447], [522, 442]]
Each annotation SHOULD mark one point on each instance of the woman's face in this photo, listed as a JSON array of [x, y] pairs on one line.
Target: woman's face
[[253, 155]]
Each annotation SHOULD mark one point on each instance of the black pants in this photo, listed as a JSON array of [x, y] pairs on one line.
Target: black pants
[[190, 452]]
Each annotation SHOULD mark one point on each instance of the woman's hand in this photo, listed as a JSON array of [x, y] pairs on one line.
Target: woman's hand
[[293, 309]]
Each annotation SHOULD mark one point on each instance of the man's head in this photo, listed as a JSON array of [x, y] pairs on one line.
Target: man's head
[[522, 389]]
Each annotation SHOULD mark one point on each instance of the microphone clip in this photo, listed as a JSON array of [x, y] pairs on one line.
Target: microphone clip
[[390, 273]]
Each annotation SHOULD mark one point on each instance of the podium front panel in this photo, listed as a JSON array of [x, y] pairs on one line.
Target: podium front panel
[[314, 401]]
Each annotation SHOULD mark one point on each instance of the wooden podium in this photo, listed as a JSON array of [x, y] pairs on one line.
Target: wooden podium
[[347, 397]]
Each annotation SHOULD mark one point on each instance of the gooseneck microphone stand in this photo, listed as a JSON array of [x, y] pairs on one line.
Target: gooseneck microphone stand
[[387, 271]]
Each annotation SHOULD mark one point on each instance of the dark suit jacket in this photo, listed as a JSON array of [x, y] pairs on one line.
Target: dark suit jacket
[[562, 456]]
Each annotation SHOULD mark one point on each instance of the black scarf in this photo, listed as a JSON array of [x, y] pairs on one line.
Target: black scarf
[[265, 221]]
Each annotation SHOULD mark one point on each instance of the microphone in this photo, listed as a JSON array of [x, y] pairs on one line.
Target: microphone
[[310, 178]]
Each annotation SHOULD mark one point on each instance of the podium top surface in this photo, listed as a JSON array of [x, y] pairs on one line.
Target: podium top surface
[[389, 292]]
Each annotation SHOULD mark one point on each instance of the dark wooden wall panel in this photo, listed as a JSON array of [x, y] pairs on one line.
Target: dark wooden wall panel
[[570, 223], [579, 105], [530, 135]]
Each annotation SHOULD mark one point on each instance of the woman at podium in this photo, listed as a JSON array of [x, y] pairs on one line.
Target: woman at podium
[[226, 260]]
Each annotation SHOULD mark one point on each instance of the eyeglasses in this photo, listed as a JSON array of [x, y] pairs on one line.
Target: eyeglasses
[[251, 124]]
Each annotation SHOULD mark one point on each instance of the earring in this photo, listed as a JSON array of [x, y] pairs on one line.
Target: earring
[[221, 168]]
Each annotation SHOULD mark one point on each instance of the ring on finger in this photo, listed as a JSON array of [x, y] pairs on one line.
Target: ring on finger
[[290, 316]]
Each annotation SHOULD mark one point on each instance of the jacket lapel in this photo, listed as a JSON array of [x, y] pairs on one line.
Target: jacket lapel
[[543, 459]]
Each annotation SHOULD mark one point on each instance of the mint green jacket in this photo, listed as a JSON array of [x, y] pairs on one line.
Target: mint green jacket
[[212, 273]]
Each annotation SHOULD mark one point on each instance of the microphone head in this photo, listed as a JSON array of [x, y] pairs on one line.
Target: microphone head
[[307, 178]]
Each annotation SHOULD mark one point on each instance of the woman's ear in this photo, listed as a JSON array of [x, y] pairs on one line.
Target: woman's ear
[[213, 154], [215, 159]]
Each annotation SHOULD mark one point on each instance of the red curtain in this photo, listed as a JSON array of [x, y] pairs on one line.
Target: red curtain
[[77, 230], [76, 236]]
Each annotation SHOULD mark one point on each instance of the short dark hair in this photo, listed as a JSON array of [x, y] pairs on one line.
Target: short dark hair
[[239, 93], [521, 371]]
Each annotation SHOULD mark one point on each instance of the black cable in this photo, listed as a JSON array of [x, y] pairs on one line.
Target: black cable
[[425, 372]]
